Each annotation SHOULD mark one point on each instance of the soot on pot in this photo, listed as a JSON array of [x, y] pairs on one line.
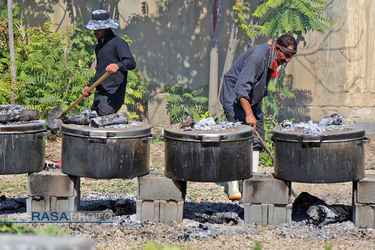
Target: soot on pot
[[328, 123]]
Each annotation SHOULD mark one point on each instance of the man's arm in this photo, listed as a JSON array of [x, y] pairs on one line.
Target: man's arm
[[250, 118]]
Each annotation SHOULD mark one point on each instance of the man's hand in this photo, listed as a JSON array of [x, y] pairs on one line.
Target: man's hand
[[85, 94], [112, 68], [250, 118], [251, 121]]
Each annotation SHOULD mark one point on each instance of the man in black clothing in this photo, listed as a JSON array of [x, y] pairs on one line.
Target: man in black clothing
[[245, 85], [113, 55]]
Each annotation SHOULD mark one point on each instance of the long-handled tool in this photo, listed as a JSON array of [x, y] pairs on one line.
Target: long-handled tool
[[273, 158], [55, 116]]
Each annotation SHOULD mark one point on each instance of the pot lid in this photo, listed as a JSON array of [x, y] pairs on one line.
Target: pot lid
[[241, 132], [130, 130], [30, 126], [327, 135]]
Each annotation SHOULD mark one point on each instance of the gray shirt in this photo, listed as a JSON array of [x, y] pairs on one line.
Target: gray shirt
[[247, 78]]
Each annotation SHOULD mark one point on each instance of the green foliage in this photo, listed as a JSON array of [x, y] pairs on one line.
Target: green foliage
[[52, 230], [136, 95], [8, 227], [53, 68], [251, 30], [258, 246], [269, 102], [153, 246], [269, 124], [184, 101], [294, 17]]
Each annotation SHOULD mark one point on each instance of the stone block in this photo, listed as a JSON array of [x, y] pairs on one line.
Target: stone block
[[279, 214], [45, 242], [265, 189], [171, 211], [52, 204], [363, 215], [52, 183], [364, 190], [267, 214], [158, 187], [160, 210]]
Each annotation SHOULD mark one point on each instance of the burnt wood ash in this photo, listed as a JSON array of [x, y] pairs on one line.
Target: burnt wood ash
[[90, 118], [328, 123], [17, 113], [207, 124]]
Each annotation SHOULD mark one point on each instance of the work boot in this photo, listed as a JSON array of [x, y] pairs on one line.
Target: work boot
[[234, 191], [255, 161]]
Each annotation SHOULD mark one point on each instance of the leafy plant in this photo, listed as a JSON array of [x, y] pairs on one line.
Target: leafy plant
[[183, 101], [269, 123]]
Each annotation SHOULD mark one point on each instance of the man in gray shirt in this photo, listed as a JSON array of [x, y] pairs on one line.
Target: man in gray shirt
[[245, 85]]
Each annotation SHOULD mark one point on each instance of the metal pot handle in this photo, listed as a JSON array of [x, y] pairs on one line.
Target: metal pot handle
[[211, 138], [364, 141]]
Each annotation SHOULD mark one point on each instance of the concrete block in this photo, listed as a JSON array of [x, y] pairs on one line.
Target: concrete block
[[160, 210], [364, 190], [171, 211], [267, 214], [279, 214], [363, 215], [52, 204], [158, 187], [45, 242], [265, 189], [52, 183], [255, 213]]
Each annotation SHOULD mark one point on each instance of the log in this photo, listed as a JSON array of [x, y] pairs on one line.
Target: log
[[80, 119], [19, 115], [117, 118]]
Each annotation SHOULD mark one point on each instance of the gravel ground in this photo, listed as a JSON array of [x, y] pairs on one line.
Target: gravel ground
[[128, 233]]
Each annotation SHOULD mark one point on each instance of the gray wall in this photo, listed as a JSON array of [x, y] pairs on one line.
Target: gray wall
[[333, 73]]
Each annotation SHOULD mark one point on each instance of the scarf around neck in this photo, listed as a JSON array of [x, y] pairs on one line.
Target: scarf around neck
[[272, 58]]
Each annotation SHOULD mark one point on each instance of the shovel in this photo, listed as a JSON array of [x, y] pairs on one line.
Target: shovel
[[55, 116]]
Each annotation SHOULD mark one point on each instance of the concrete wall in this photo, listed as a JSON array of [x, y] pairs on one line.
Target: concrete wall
[[172, 42], [335, 73]]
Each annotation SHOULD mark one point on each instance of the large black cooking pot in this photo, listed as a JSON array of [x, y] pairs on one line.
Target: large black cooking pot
[[208, 156], [103, 153], [330, 157], [22, 147]]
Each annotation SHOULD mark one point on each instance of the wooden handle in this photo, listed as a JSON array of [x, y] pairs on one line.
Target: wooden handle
[[264, 145], [99, 81]]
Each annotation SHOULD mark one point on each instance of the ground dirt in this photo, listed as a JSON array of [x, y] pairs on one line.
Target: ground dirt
[[128, 233]]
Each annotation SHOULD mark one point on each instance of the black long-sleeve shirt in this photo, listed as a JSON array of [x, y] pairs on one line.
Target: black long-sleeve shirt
[[113, 50]]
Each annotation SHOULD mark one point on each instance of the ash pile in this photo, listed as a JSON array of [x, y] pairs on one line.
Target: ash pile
[[207, 124], [13, 114], [328, 123], [90, 118]]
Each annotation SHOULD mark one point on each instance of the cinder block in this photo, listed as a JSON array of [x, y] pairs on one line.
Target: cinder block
[[255, 213], [265, 189], [363, 215], [158, 187], [52, 183], [364, 190], [171, 211], [52, 204], [279, 214], [160, 210], [267, 214]]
